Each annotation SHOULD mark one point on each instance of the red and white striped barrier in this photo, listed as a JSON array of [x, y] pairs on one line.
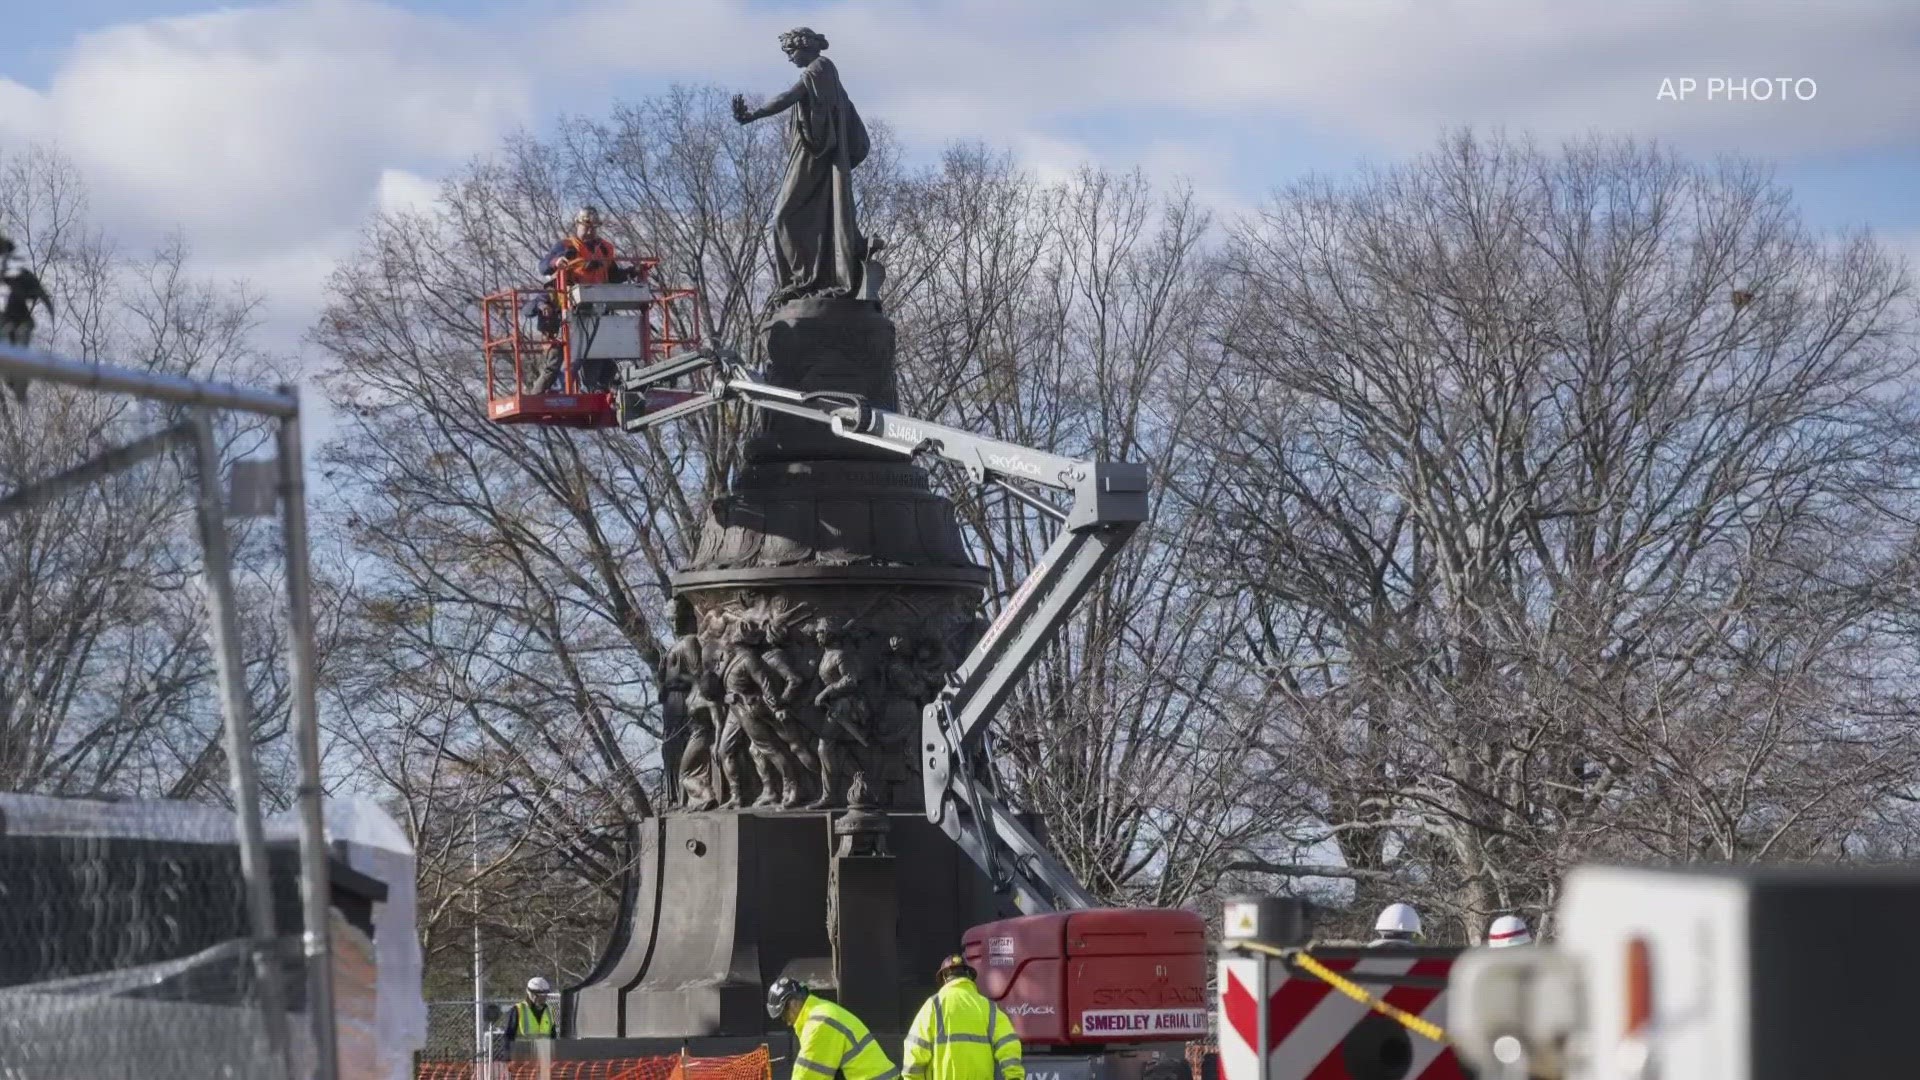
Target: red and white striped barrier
[[1310, 1031]]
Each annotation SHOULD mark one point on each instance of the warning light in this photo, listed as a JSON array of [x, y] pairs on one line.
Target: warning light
[[1639, 986]]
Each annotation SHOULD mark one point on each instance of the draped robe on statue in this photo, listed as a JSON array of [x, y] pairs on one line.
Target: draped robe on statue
[[817, 243]]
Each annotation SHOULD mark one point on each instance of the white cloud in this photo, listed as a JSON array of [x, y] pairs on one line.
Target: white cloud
[[1903, 244], [1389, 70], [400, 191], [255, 127], [270, 132], [22, 111]]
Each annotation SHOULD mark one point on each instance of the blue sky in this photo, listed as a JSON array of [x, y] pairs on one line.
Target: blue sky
[[268, 132]]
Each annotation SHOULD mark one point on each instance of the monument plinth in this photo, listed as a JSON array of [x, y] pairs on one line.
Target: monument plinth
[[830, 594], [722, 904]]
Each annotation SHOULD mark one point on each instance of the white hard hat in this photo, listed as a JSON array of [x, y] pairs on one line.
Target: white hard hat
[[1508, 930], [539, 985], [587, 213], [1398, 918]]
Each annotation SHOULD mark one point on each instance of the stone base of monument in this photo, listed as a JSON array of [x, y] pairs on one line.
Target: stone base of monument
[[829, 597], [721, 904]]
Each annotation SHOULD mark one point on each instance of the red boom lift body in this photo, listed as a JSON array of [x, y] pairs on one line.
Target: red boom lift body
[[1094, 977]]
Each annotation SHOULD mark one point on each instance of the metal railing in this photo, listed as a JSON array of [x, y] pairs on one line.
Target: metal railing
[[506, 342]]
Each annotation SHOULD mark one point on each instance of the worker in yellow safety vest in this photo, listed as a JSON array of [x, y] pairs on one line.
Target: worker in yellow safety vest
[[960, 1035], [832, 1040], [532, 1017]]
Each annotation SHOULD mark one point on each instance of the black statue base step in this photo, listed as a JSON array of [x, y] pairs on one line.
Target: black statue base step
[[722, 903]]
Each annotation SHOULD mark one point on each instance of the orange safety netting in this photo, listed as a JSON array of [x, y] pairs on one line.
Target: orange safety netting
[[754, 1066], [1196, 1053]]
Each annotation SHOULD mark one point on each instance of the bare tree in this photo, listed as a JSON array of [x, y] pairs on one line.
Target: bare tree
[[104, 672], [1568, 506], [1062, 316]]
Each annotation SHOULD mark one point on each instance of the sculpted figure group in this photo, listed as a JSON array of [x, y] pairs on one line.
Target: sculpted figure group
[[771, 711]]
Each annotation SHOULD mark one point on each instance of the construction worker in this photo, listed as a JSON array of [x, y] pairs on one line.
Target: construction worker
[[16, 318], [584, 254], [959, 1034], [541, 319], [1398, 925], [832, 1040], [532, 1017], [583, 257], [1508, 931]]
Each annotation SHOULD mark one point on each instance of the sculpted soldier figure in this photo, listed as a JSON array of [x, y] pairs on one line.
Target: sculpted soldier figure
[[703, 783], [846, 678], [906, 686], [966, 633], [751, 696], [933, 662], [679, 671], [780, 656], [891, 767], [818, 248]]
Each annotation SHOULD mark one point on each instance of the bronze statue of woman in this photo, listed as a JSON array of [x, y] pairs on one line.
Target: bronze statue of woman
[[817, 243]]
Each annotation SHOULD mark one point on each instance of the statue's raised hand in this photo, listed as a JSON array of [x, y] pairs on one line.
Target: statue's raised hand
[[740, 111]]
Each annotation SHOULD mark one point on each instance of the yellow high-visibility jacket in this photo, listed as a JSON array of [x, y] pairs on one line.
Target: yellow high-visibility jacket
[[960, 1035], [531, 1023], [833, 1040]]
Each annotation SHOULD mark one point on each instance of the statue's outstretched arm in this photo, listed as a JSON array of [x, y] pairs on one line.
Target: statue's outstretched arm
[[793, 96]]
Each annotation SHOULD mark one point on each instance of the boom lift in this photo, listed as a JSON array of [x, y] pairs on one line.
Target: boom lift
[[601, 324], [1094, 992]]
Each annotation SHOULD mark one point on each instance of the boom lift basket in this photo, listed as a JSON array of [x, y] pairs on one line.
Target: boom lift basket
[[601, 326]]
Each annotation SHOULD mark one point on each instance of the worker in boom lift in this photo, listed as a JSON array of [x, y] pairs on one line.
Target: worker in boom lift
[[1398, 925], [585, 255], [832, 1040], [532, 1017], [959, 1034], [1508, 931]]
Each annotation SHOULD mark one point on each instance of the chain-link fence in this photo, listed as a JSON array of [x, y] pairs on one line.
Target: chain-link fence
[[123, 928], [157, 939], [134, 1022], [450, 1030]]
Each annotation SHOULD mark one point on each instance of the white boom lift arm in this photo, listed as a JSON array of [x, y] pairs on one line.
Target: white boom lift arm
[[1106, 503]]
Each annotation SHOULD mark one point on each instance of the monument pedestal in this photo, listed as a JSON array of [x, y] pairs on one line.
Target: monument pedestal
[[830, 563], [723, 903], [861, 895], [830, 596]]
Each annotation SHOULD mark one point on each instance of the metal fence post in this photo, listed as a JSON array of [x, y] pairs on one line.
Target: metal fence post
[[316, 898], [223, 633], [482, 1043]]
